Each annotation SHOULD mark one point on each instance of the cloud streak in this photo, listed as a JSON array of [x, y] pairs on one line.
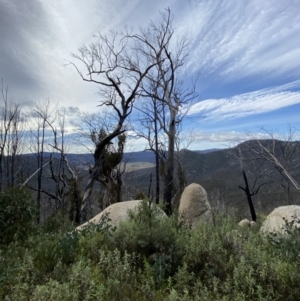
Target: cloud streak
[[237, 39], [247, 52], [252, 103]]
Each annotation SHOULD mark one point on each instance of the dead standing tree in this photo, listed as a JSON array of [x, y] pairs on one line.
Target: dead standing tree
[[112, 64], [157, 46], [151, 131], [10, 139], [43, 116], [112, 171], [282, 155], [64, 176], [60, 173], [14, 146], [182, 142], [257, 181], [93, 128]]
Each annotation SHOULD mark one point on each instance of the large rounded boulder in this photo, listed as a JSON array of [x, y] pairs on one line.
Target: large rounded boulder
[[116, 212], [194, 206], [277, 219]]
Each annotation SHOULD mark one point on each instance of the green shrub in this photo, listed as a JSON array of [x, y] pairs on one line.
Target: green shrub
[[17, 215], [53, 248], [103, 225], [154, 236], [140, 196], [287, 243], [57, 222], [95, 237], [152, 258], [229, 263]]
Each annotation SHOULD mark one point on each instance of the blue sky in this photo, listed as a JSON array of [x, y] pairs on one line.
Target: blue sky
[[246, 52]]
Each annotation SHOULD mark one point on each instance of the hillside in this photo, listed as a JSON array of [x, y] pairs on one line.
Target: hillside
[[219, 172]]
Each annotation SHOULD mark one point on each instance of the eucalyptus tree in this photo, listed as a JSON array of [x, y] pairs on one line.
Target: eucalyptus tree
[[11, 136], [54, 179], [158, 45], [113, 64], [151, 132], [254, 176], [93, 128], [128, 66], [43, 115], [283, 153], [65, 176]]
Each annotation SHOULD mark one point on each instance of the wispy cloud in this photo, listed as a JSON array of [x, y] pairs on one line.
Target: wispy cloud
[[226, 138], [237, 46], [38, 37], [237, 39], [246, 104]]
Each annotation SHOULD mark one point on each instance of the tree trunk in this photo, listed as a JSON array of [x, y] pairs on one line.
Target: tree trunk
[[169, 176], [156, 154], [1, 171], [249, 197]]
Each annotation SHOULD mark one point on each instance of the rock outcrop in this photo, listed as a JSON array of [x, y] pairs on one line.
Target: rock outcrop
[[194, 206], [275, 221], [116, 212]]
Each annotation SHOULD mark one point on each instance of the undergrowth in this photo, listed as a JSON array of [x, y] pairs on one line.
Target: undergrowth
[[151, 257]]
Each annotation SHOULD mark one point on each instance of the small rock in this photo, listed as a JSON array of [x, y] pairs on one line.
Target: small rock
[[244, 223]]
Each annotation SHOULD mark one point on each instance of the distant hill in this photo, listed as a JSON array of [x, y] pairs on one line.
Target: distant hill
[[132, 157], [206, 151], [219, 172], [141, 156]]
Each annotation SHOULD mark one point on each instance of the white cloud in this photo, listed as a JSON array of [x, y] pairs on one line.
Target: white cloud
[[220, 137], [208, 140], [244, 38], [230, 40], [39, 37], [251, 103]]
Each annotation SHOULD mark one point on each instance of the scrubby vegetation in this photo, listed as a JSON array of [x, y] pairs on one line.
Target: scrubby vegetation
[[149, 258]]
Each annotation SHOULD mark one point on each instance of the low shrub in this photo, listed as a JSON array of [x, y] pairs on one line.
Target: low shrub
[[152, 258], [57, 222], [153, 236], [95, 237], [287, 243], [225, 262], [17, 215]]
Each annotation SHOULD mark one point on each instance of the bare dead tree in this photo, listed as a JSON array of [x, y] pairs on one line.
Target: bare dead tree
[[14, 147], [114, 66], [64, 176], [112, 171], [94, 127], [182, 142], [257, 177], [10, 138], [50, 134], [157, 141], [40, 124], [151, 131], [284, 155], [154, 44]]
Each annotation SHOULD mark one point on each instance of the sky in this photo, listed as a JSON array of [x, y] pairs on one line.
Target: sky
[[246, 54]]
